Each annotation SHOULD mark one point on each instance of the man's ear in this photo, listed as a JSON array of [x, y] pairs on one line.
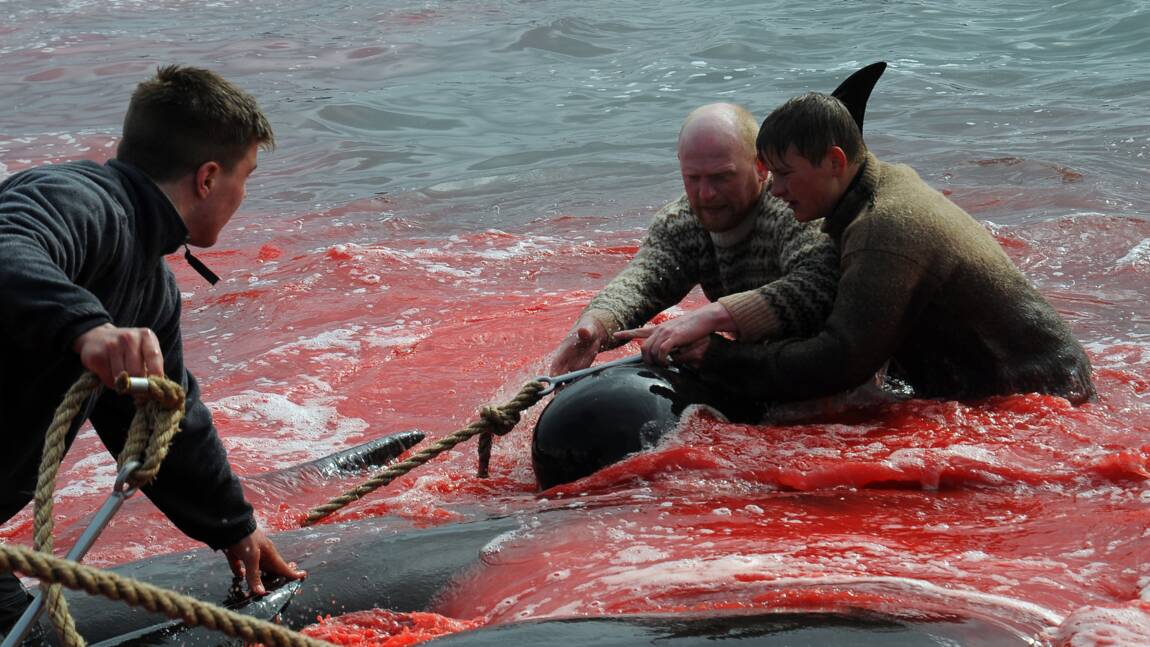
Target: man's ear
[[761, 169], [206, 178], [837, 158]]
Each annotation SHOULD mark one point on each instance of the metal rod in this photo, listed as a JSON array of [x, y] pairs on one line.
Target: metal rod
[[121, 492], [555, 381]]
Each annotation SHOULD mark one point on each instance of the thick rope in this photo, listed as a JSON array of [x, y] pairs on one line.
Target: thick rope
[[74, 400], [140, 594], [492, 420], [157, 419], [160, 409]]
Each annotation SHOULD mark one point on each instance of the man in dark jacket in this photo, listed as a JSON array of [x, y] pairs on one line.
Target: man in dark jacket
[[84, 285], [924, 285]]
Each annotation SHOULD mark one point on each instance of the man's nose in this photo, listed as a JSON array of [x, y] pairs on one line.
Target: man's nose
[[707, 191], [778, 187]]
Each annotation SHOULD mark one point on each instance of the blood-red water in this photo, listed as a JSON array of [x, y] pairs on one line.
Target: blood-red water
[[360, 298], [1020, 508]]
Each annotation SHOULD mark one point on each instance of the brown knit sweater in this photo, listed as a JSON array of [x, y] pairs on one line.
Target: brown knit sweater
[[775, 275], [926, 286]]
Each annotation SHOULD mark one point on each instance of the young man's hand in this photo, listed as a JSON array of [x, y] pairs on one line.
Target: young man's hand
[[108, 351], [256, 553], [687, 337]]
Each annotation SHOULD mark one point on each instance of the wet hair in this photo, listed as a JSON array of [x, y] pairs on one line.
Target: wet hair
[[186, 116], [811, 123]]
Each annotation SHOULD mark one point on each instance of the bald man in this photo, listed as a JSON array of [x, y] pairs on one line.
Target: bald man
[[767, 275]]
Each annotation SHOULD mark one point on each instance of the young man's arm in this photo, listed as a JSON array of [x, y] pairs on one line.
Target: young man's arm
[[878, 297], [195, 488], [52, 228]]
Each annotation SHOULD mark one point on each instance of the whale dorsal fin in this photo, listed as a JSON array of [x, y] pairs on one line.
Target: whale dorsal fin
[[855, 90]]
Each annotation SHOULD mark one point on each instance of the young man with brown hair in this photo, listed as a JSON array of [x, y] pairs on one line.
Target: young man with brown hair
[[84, 285]]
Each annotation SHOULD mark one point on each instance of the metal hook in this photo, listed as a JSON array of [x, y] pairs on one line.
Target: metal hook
[[555, 381]]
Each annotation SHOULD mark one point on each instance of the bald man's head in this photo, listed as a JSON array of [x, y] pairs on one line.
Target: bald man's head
[[721, 119], [721, 175]]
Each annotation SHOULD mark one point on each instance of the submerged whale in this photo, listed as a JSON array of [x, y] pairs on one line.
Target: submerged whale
[[382, 564], [779, 629], [386, 563], [352, 566], [599, 419]]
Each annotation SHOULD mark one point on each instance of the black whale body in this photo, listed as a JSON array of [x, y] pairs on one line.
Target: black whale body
[[382, 564], [603, 417]]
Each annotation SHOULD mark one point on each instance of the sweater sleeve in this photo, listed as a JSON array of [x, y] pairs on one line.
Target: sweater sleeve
[[663, 271], [195, 487], [799, 301], [878, 296], [52, 229]]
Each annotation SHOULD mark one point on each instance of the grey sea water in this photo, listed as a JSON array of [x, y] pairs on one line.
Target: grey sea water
[[500, 113]]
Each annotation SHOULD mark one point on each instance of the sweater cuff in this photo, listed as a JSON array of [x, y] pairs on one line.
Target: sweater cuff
[[605, 318], [754, 317], [234, 534], [66, 337]]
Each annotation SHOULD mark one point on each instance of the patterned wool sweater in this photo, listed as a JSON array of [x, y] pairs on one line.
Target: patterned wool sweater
[[927, 287], [775, 275]]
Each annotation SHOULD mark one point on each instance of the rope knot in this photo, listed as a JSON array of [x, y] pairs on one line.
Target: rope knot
[[499, 419]]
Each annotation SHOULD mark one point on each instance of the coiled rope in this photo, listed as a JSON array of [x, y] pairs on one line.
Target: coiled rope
[[157, 419], [159, 410]]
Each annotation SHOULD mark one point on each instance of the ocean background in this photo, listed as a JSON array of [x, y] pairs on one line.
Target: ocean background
[[454, 179]]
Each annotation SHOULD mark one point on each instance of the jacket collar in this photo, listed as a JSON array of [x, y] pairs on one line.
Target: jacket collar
[[858, 196], [159, 227]]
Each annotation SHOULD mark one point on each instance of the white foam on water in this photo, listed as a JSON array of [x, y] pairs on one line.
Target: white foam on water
[[1093, 626], [519, 249], [640, 554], [313, 427], [692, 571], [1139, 255], [338, 338], [90, 474], [973, 556], [497, 543], [721, 573], [972, 452], [391, 336]]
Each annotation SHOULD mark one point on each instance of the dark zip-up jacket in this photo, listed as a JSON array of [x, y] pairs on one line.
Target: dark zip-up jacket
[[82, 245], [926, 286]]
